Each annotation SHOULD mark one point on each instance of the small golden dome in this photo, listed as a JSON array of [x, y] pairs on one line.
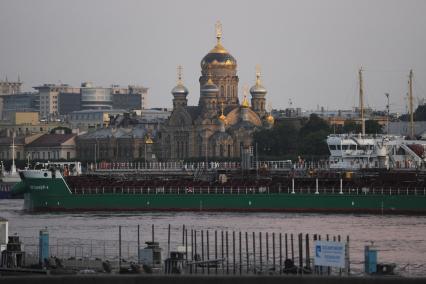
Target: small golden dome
[[149, 141], [270, 119], [245, 103], [222, 117]]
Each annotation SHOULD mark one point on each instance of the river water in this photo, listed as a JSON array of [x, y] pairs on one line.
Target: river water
[[399, 239]]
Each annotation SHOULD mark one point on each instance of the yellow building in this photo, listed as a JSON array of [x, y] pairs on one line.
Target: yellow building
[[25, 118]]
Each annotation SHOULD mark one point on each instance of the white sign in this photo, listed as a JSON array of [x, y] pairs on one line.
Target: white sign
[[330, 254]]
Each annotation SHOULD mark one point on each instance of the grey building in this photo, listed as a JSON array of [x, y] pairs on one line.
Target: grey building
[[68, 102], [95, 97], [24, 102]]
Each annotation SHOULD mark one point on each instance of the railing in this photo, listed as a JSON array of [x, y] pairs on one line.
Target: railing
[[181, 166], [226, 190]]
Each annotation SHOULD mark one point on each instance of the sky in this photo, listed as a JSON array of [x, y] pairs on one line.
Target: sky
[[309, 51]]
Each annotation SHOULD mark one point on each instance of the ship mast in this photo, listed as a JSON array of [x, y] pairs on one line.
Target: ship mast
[[410, 98], [13, 169], [361, 101]]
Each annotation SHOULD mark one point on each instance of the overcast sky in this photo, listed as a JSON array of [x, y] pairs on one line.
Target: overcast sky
[[309, 51]]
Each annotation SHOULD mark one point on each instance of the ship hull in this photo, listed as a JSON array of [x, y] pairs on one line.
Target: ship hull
[[54, 195]]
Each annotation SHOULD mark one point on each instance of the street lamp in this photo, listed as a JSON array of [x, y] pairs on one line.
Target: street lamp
[[387, 108]]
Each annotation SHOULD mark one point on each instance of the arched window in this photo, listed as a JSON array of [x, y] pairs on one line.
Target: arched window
[[222, 91], [229, 150], [221, 150]]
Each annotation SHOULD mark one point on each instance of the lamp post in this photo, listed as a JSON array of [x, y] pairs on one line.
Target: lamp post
[[387, 116]]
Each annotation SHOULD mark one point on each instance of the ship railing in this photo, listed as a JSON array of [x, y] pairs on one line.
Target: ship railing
[[143, 166], [400, 191]]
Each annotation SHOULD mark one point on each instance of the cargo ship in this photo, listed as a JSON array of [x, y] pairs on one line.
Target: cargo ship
[[61, 187], [379, 174]]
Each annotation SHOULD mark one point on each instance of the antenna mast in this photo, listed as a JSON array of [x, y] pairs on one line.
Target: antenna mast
[[410, 98], [361, 101], [13, 169]]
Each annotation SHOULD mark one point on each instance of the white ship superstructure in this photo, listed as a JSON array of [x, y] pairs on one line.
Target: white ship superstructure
[[357, 151]]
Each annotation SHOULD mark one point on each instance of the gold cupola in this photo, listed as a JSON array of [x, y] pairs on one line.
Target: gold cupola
[[222, 117], [218, 57]]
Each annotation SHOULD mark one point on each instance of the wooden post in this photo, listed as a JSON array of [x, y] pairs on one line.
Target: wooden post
[[195, 249], [233, 252], [247, 253], [227, 253], [192, 245], [208, 252], [223, 255], [119, 247], [286, 247], [273, 251], [168, 241], [152, 232], [281, 253], [139, 245], [215, 248], [267, 251], [254, 252], [186, 244], [348, 263], [260, 251], [301, 251], [307, 252], [241, 259], [202, 249], [183, 234]]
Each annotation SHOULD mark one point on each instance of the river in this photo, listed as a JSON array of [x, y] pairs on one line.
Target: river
[[399, 239]]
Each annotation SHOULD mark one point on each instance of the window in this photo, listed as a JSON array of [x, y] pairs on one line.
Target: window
[[68, 155]]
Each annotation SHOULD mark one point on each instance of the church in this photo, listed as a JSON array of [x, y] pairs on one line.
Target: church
[[219, 127]]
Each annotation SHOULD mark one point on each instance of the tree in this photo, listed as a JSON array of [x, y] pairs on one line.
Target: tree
[[373, 127], [420, 113], [351, 126], [313, 135], [281, 140]]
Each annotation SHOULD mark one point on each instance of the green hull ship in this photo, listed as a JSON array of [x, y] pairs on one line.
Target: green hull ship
[[49, 190]]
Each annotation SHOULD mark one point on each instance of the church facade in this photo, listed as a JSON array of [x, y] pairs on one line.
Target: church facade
[[219, 127]]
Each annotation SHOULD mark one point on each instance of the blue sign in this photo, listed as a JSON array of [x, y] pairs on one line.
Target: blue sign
[[330, 254]]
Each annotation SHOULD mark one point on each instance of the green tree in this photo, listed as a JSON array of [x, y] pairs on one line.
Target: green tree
[[281, 140], [351, 126], [313, 135], [373, 127], [420, 113]]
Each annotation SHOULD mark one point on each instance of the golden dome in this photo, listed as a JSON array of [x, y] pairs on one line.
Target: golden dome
[[218, 56], [149, 141], [270, 119]]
